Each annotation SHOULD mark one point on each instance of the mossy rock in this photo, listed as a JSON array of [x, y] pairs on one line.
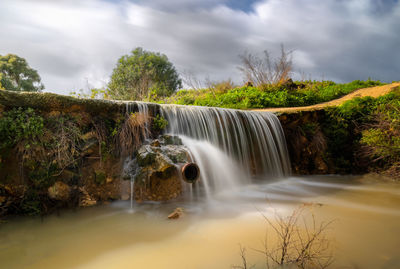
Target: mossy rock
[[170, 140], [145, 156]]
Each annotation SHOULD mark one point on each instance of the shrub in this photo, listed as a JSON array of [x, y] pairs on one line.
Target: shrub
[[19, 125], [368, 127], [267, 95], [159, 123]]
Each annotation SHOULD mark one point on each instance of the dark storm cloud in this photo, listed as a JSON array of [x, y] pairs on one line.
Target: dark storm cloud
[[75, 43]]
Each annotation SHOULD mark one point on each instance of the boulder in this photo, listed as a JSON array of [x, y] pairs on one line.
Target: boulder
[[155, 169], [85, 199], [59, 191]]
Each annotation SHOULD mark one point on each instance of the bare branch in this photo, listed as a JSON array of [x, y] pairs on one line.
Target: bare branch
[[265, 70]]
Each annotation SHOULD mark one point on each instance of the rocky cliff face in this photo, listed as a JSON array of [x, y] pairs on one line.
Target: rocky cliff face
[[58, 151]]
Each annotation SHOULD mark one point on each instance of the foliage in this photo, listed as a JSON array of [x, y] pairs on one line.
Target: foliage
[[64, 144], [143, 74], [132, 132], [159, 123], [93, 93], [17, 75], [19, 125], [381, 141], [280, 95], [100, 177], [366, 126]]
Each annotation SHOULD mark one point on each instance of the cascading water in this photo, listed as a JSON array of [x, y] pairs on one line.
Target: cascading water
[[229, 145], [142, 108]]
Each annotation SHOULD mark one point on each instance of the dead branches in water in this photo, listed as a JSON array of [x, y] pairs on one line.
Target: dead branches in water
[[298, 242]]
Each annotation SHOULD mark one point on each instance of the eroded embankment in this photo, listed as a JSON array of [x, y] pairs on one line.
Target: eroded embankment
[[345, 137], [58, 151]]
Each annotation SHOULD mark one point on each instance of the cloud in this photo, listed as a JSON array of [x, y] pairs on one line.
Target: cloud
[[76, 43]]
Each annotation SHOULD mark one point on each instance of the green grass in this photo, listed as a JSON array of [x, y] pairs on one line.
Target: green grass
[[365, 128], [297, 94]]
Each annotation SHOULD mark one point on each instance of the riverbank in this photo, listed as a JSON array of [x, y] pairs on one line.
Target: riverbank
[[364, 233]]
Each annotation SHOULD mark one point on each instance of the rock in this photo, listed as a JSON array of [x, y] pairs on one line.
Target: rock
[[178, 212], [155, 143], [155, 171], [145, 155], [170, 140], [59, 191], [125, 197], [85, 199]]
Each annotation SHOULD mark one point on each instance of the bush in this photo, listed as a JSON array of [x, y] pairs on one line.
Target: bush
[[280, 95], [19, 125], [159, 123], [143, 74], [382, 140], [368, 127]]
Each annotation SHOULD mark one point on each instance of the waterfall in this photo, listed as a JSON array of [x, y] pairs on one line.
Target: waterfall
[[230, 146], [255, 140]]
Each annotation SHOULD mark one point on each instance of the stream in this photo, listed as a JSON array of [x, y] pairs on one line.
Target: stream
[[364, 232]]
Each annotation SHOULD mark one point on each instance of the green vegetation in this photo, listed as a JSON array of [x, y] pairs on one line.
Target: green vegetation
[[93, 93], [364, 132], [39, 148], [19, 125], [143, 74], [16, 75], [264, 96], [159, 123]]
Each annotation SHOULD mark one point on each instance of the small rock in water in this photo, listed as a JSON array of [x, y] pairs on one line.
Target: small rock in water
[[178, 212]]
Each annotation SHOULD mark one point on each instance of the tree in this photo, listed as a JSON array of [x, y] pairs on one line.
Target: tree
[[143, 74], [17, 75], [261, 71]]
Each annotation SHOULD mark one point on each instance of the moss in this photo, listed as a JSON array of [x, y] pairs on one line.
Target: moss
[[146, 159], [100, 177], [171, 140], [179, 157]]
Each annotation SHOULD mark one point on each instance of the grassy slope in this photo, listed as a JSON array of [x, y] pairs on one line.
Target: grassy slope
[[371, 91], [289, 95]]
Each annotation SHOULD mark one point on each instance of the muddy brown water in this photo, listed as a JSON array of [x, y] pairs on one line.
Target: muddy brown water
[[365, 232]]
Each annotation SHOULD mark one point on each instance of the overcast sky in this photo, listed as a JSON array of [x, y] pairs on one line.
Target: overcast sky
[[76, 44]]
